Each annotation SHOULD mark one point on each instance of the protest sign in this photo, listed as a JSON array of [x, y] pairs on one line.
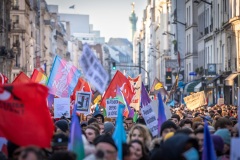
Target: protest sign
[[112, 107], [220, 101], [154, 104], [61, 107], [235, 154], [83, 101], [150, 119], [195, 100], [93, 70]]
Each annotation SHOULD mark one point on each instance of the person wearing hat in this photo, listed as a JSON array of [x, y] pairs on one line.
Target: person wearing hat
[[105, 148], [59, 142], [108, 128], [218, 145], [99, 117], [226, 136], [62, 126]]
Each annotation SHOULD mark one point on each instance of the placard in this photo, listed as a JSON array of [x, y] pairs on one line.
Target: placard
[[235, 154], [220, 101], [83, 101], [154, 104], [112, 107], [195, 100], [61, 107], [93, 69], [150, 119]]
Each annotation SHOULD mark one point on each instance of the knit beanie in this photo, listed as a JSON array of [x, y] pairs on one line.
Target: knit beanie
[[108, 127], [167, 124], [218, 143], [62, 124], [225, 134], [106, 139]]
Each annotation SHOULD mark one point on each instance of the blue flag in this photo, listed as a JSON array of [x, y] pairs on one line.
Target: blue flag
[[119, 135], [208, 147], [75, 137], [161, 112]]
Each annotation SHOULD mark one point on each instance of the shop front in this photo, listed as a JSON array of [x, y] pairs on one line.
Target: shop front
[[231, 85]]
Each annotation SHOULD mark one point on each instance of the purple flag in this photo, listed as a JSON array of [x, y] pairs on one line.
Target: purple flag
[[145, 100], [161, 112]]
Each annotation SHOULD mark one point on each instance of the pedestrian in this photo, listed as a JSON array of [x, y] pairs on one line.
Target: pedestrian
[[138, 150]]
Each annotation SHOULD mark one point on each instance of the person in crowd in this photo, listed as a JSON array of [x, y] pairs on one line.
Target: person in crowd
[[197, 125], [199, 133], [226, 136], [126, 153], [101, 126], [140, 118], [31, 153], [185, 123], [141, 133], [222, 123], [99, 117], [218, 145], [129, 122], [175, 118], [84, 125], [59, 142], [105, 148], [108, 128], [88, 117], [125, 126], [91, 133], [63, 155], [138, 150], [62, 126], [92, 120]]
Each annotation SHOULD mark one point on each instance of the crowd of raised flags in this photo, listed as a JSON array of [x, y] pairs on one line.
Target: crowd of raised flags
[[28, 126]]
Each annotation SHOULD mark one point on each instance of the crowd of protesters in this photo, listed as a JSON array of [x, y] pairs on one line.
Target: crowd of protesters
[[181, 137]]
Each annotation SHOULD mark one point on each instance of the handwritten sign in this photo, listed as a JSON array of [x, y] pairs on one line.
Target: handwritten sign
[[61, 107], [195, 100], [150, 119], [93, 70], [112, 107]]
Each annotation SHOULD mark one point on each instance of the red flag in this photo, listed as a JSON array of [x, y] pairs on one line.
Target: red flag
[[82, 85], [125, 86], [21, 78], [3, 79], [179, 60], [25, 119]]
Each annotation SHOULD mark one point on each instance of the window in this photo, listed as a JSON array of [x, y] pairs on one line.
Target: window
[[15, 38], [15, 3], [15, 19]]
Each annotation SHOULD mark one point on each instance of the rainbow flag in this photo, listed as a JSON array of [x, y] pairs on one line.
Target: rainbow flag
[[39, 77], [63, 78]]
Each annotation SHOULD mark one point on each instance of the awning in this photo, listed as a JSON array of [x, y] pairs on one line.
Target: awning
[[229, 81], [190, 87], [197, 88], [213, 79]]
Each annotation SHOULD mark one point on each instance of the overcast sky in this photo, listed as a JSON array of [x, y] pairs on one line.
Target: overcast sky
[[111, 17]]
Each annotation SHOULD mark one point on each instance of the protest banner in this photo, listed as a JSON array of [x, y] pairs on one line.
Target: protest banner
[[83, 102], [93, 70], [61, 107], [195, 100], [235, 154], [150, 119], [112, 107]]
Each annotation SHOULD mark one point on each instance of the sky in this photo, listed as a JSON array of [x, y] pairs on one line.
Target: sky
[[110, 17]]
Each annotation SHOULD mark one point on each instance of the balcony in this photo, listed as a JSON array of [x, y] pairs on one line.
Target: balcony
[[15, 7]]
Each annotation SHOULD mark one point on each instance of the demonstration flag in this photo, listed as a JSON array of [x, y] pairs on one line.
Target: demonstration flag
[[25, 118], [96, 97], [136, 83], [161, 112], [119, 135], [145, 100], [39, 77], [118, 80], [3, 79], [21, 78], [128, 112], [157, 86], [63, 78], [75, 137], [83, 86], [208, 147]]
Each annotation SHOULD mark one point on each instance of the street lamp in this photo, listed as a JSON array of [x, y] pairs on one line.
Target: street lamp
[[166, 33], [176, 21]]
